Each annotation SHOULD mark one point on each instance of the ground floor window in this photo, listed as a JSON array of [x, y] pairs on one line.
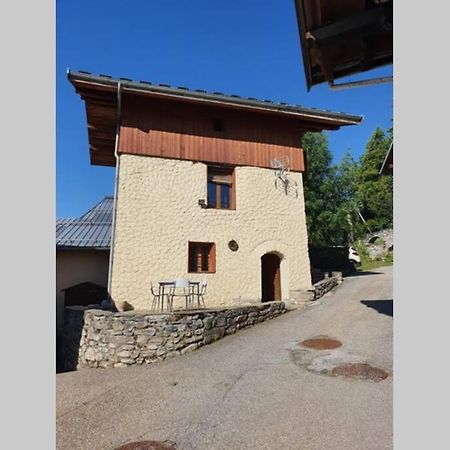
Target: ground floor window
[[202, 257]]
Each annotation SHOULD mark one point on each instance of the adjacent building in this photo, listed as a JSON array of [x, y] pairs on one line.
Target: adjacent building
[[340, 38], [82, 254], [208, 186]]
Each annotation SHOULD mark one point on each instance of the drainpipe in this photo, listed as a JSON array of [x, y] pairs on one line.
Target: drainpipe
[[353, 84], [116, 183]]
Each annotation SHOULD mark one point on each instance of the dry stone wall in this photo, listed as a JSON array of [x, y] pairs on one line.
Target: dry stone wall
[[118, 339], [325, 285], [379, 243]]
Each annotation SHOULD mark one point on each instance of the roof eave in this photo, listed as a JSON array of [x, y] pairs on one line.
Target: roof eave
[[74, 247], [331, 119], [303, 45]]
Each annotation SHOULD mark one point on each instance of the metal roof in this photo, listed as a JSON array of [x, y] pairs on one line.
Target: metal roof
[[216, 97], [91, 230]]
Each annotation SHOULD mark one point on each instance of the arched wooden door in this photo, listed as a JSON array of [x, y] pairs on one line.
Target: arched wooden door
[[270, 277]]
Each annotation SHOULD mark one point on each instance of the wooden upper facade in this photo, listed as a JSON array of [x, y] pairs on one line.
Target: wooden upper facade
[[177, 123]]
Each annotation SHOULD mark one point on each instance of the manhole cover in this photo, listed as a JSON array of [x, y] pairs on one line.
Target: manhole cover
[[321, 343], [146, 445], [360, 371]]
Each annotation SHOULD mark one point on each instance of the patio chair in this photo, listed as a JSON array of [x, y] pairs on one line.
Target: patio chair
[[183, 284], [202, 293], [156, 302]]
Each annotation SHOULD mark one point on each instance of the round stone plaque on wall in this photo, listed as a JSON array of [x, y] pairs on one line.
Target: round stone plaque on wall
[[233, 246]]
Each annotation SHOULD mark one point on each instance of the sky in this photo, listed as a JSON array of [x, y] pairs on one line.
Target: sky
[[244, 47]]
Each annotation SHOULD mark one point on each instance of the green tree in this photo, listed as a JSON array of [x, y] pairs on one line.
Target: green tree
[[342, 201], [374, 194], [327, 194], [347, 173]]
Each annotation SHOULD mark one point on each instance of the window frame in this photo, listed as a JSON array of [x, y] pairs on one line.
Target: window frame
[[218, 125], [221, 170], [210, 255]]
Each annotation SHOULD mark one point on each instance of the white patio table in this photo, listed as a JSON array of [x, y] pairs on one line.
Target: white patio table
[[167, 288]]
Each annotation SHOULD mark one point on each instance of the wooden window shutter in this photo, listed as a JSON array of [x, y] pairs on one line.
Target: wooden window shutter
[[201, 257]]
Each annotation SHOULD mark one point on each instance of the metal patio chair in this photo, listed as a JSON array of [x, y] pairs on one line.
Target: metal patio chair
[[183, 285], [156, 302], [202, 293]]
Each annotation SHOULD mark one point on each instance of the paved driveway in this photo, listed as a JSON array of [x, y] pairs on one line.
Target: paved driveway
[[251, 390]]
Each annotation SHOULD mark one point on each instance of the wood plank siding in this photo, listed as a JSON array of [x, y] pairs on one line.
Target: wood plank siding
[[167, 122], [185, 131]]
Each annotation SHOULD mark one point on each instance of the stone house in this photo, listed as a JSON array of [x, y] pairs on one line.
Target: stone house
[[82, 253], [208, 186]]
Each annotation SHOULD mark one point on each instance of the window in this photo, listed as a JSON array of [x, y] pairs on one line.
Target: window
[[218, 125], [202, 257], [221, 192]]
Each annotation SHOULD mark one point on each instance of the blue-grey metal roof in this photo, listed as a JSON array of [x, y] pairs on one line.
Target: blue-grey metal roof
[[91, 230], [181, 91]]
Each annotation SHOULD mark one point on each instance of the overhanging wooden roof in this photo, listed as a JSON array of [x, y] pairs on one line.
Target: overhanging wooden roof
[[100, 93], [344, 37]]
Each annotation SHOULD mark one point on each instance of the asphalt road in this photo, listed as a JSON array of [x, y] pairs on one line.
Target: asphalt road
[[251, 390]]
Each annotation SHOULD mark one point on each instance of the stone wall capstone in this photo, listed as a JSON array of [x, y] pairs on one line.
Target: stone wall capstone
[[119, 339]]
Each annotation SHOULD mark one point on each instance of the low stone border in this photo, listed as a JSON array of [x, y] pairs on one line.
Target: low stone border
[[325, 285], [98, 338]]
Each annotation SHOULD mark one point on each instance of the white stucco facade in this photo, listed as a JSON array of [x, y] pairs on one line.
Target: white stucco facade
[[158, 214]]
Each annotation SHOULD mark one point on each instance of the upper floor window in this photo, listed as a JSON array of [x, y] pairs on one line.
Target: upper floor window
[[218, 125], [221, 189]]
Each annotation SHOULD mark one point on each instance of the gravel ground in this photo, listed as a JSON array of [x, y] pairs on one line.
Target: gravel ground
[[256, 389]]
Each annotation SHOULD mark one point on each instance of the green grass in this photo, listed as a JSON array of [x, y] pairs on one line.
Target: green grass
[[369, 264], [374, 264]]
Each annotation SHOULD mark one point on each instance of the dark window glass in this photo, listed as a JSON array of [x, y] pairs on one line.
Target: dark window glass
[[220, 187], [218, 125], [204, 252], [211, 194], [225, 191]]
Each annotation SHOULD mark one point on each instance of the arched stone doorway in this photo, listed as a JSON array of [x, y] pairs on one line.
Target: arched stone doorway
[[270, 277]]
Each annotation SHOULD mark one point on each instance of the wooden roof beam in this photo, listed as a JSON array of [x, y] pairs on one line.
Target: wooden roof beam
[[371, 19]]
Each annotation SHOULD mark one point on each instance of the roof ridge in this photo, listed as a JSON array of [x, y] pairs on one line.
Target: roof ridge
[[91, 230]]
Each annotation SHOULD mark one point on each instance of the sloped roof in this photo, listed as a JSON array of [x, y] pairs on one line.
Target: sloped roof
[[101, 96], [91, 230], [82, 79], [344, 37]]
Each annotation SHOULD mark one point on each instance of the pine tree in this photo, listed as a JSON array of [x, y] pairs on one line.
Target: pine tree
[[374, 194], [326, 205]]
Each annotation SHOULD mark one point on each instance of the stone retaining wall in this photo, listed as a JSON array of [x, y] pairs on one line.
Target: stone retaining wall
[[382, 248], [99, 338], [325, 285]]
